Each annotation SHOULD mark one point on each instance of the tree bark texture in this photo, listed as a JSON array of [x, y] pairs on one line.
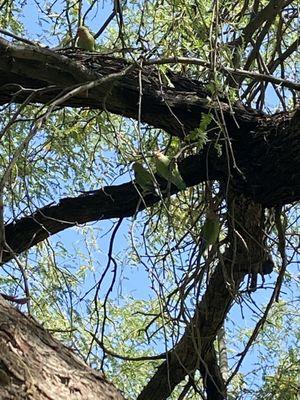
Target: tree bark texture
[[35, 366]]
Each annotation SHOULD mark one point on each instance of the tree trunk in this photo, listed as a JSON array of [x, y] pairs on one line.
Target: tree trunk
[[35, 366]]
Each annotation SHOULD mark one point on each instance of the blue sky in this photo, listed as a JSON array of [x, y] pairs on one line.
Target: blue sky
[[37, 25]]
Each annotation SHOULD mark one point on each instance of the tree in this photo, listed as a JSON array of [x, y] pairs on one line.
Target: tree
[[213, 86]]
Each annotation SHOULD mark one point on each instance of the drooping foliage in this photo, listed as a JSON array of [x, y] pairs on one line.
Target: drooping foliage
[[135, 295]]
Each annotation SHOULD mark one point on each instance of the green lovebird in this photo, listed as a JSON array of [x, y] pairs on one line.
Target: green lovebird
[[210, 230], [85, 39], [143, 178], [170, 174]]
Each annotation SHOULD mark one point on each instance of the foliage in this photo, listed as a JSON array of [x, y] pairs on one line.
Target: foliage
[[136, 293]]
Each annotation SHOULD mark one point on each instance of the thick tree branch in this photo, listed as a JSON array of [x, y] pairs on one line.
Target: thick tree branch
[[26, 69], [106, 203], [34, 365]]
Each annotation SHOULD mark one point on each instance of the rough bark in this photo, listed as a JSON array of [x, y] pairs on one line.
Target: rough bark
[[33, 365]]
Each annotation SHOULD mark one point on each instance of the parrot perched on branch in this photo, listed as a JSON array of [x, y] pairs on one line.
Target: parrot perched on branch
[[85, 39], [143, 178], [167, 171], [210, 230]]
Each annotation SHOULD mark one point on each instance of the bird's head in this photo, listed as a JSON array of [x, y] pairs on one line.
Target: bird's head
[[82, 31], [211, 214], [157, 154], [135, 165]]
